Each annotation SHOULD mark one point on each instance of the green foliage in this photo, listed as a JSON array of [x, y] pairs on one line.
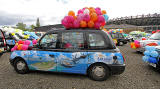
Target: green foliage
[[21, 26]]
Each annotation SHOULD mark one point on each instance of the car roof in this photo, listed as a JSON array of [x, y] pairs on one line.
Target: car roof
[[69, 30]]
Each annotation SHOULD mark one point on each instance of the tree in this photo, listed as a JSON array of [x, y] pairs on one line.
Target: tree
[[32, 26], [21, 26], [37, 23]]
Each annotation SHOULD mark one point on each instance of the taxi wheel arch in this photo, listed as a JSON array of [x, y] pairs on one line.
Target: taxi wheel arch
[[17, 60], [105, 66]]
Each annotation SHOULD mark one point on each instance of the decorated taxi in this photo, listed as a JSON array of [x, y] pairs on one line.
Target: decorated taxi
[[81, 48]]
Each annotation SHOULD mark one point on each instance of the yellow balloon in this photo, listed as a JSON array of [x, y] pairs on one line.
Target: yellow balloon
[[13, 34]]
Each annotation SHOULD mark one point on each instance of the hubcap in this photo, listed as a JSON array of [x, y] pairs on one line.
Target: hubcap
[[98, 71], [20, 65], [121, 43]]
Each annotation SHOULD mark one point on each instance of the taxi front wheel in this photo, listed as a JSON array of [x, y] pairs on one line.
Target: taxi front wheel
[[20, 66], [98, 72]]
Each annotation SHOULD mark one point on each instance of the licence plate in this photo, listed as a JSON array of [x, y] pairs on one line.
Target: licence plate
[[151, 64]]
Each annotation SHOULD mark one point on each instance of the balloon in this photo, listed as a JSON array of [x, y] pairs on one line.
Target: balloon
[[83, 24], [98, 12], [20, 42], [92, 10], [19, 47], [152, 60], [86, 17], [103, 23], [71, 13], [106, 17], [80, 17], [13, 34], [136, 42], [24, 47], [104, 12], [101, 18], [154, 54], [80, 11], [145, 58], [12, 49], [97, 25], [86, 11], [34, 42], [27, 42], [76, 24], [15, 47], [97, 8], [90, 24], [147, 53], [94, 17]]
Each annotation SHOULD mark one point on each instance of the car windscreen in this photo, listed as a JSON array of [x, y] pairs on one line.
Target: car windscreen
[[155, 36]]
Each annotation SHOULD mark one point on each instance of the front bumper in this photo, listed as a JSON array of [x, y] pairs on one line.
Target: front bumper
[[117, 68]]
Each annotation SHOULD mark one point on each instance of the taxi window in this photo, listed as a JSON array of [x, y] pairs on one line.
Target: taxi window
[[96, 41], [49, 41], [72, 40]]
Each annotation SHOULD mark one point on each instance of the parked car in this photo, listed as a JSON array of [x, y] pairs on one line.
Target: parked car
[[3, 46], [154, 38], [121, 40], [89, 52], [10, 41]]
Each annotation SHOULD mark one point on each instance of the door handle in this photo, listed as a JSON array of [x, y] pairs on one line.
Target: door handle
[[51, 55]]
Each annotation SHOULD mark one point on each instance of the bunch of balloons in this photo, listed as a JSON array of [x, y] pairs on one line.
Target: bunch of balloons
[[31, 35], [135, 44], [24, 45], [150, 55], [23, 34], [86, 17], [116, 31]]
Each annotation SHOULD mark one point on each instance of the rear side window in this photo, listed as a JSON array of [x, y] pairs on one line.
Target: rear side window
[[96, 41], [72, 40]]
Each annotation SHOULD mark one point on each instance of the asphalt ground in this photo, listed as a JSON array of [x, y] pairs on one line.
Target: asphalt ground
[[137, 75]]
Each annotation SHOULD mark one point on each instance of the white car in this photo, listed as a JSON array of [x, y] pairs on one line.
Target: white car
[[154, 38]]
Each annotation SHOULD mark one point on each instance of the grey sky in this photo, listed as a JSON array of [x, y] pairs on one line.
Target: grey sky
[[52, 11]]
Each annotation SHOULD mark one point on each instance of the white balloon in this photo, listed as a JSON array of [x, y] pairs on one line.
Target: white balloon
[[86, 11]]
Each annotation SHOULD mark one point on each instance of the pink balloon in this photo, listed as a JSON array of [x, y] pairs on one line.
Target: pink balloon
[[101, 19], [80, 17], [24, 47], [76, 24], [136, 42], [80, 11], [86, 17], [70, 19], [15, 47], [34, 42], [98, 12], [27, 42], [97, 8], [12, 49], [97, 25]]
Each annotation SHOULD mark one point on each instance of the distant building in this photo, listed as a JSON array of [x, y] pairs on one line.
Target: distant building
[[47, 28]]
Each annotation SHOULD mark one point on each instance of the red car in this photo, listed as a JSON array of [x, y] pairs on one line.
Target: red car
[[3, 46]]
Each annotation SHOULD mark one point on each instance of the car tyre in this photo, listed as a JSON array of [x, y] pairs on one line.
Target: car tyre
[[120, 43], [20, 66], [98, 72]]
